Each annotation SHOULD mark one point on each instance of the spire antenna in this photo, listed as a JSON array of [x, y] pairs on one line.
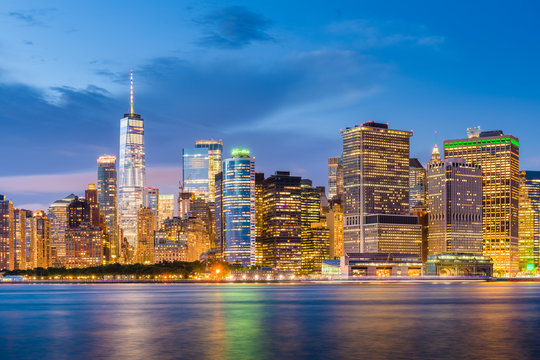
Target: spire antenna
[[131, 93]]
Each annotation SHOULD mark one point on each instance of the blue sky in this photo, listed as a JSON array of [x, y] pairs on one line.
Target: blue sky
[[279, 77]]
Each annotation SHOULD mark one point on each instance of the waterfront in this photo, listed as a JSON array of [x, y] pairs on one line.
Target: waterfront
[[266, 321]]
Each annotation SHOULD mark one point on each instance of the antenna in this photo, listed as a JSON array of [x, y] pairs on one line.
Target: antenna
[[131, 93]]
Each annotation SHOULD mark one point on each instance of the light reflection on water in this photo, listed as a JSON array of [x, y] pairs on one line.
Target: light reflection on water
[[213, 321]]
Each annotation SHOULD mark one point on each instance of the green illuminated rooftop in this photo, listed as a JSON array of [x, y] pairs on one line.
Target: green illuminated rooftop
[[481, 141], [240, 152]]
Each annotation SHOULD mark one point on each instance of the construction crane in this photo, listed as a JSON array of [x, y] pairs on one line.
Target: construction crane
[[181, 187]]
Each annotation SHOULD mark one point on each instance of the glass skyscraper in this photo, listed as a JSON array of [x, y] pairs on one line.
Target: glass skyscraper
[[195, 171], [131, 171], [215, 148], [236, 205], [529, 220], [106, 193]]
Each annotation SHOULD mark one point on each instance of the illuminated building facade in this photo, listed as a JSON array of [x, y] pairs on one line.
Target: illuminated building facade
[[334, 221], [237, 209], [107, 199], [333, 163], [20, 238], [454, 206], [259, 210], [417, 183], [146, 228], [282, 222], [215, 149], [131, 171], [498, 155], [58, 217], [375, 177], [31, 237], [84, 246], [397, 234], [195, 171], [7, 234], [314, 233], [41, 251], [165, 208], [529, 219], [168, 250]]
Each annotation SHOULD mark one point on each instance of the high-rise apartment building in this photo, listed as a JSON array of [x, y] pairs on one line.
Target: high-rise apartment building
[[417, 184], [498, 155], [20, 238], [282, 222], [84, 246], [107, 199], [375, 178], [7, 234], [235, 204], [454, 206], [215, 149], [529, 219], [132, 171], [146, 228], [165, 208], [42, 256], [58, 217]]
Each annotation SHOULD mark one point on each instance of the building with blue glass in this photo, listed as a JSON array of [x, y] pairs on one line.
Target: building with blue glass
[[235, 209], [195, 171]]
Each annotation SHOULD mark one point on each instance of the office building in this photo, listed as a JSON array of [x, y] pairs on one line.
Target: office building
[[84, 246], [259, 222], [333, 163], [215, 148], [498, 155], [165, 208], [58, 217], [169, 250], [454, 206], [529, 220], [41, 251], [131, 170], [20, 238], [417, 184], [375, 178], [107, 199], [236, 207], [282, 222], [7, 234], [334, 222], [195, 171], [396, 234], [146, 228]]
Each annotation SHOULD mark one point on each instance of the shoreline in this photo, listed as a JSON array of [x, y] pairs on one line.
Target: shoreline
[[370, 280]]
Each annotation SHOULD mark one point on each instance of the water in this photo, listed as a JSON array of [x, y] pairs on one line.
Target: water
[[317, 321]]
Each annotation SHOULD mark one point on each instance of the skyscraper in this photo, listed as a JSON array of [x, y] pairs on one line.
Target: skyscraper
[[498, 155], [7, 234], [146, 227], [107, 199], [20, 238], [375, 177], [454, 206], [333, 163], [417, 184], [195, 164], [215, 148], [132, 170], [259, 220], [236, 205], [282, 222], [43, 240], [151, 201], [58, 217], [529, 220], [165, 208]]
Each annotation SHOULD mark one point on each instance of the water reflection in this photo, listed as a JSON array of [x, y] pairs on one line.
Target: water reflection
[[191, 321]]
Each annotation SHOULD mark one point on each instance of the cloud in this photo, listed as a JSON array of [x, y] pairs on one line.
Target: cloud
[[373, 34], [34, 17], [234, 27]]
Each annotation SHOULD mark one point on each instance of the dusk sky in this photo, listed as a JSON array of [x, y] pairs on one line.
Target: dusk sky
[[278, 77]]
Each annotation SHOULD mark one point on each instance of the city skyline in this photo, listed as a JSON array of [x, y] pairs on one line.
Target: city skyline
[[456, 84]]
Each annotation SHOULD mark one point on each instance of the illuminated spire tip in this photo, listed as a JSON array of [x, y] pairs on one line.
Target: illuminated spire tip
[[131, 93]]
